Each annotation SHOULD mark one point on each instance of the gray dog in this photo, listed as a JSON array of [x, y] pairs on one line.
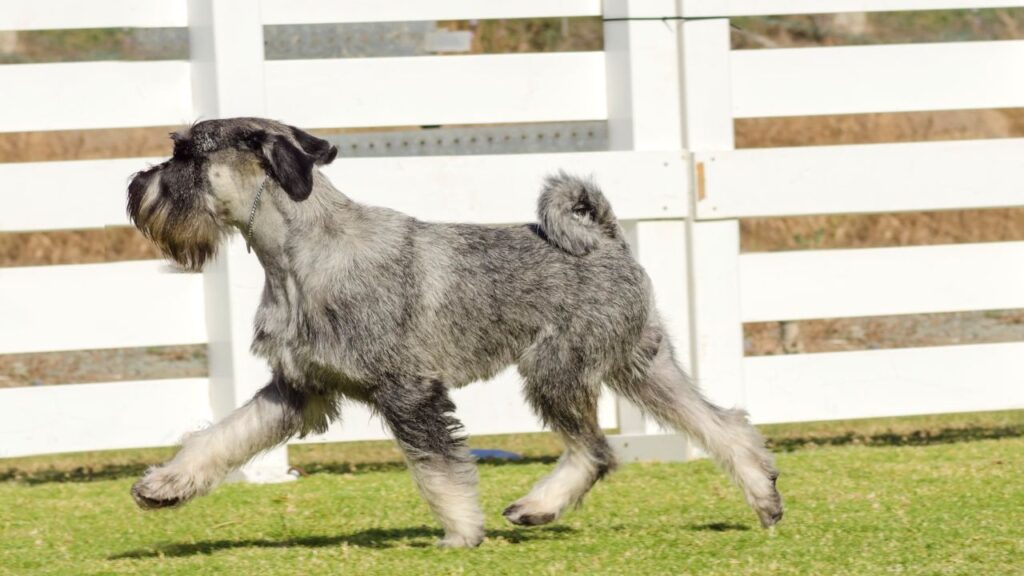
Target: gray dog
[[370, 305]]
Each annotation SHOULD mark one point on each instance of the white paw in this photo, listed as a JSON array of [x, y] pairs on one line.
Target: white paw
[[163, 488], [525, 512]]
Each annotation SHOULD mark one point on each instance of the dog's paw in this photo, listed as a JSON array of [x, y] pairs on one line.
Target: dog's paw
[[523, 514], [161, 488], [769, 508], [770, 515]]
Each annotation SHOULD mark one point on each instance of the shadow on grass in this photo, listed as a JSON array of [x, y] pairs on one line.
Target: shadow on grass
[[363, 467], [778, 444], [914, 438], [417, 537], [118, 471], [720, 527], [77, 474]]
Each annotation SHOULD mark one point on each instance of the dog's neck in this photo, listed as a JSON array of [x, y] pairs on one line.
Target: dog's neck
[[247, 232], [278, 218]]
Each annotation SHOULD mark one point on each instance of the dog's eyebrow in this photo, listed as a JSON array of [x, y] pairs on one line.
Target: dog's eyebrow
[[182, 144]]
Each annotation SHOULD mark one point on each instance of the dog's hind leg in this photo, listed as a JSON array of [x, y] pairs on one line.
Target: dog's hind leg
[[272, 417], [658, 386], [420, 414], [565, 396]]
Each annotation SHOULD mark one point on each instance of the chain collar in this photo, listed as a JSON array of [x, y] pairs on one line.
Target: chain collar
[[252, 216]]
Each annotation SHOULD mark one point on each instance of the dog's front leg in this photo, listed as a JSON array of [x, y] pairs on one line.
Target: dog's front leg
[[420, 414], [273, 416]]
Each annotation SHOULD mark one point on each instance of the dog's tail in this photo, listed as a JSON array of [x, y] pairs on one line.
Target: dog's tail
[[575, 216]]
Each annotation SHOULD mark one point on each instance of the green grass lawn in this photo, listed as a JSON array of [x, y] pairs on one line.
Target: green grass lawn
[[906, 496]]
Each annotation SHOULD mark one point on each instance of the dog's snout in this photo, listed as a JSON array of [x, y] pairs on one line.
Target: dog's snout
[[137, 188], [139, 180]]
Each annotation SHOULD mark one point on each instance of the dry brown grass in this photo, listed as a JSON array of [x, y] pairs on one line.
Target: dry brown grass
[[87, 366], [84, 144], [111, 244]]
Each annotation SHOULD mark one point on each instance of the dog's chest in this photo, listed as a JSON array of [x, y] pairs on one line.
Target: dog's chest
[[322, 338]]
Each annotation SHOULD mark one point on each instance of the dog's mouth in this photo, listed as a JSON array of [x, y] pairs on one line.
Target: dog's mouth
[[171, 212]]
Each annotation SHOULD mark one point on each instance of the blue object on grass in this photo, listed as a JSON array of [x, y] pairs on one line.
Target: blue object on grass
[[488, 453]]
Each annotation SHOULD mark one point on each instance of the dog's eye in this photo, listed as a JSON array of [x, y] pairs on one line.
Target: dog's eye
[[581, 210]]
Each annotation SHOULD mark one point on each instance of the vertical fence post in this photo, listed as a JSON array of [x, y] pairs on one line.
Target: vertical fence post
[[644, 114], [716, 324], [226, 39]]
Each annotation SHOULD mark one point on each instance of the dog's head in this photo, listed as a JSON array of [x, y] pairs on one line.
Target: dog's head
[[189, 203]]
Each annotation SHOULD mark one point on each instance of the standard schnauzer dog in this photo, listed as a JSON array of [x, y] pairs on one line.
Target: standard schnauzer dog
[[370, 305]]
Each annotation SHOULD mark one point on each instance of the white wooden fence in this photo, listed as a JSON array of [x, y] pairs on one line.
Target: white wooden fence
[[669, 87]]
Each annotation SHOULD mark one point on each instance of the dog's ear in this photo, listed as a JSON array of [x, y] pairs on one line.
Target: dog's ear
[[290, 161], [322, 151]]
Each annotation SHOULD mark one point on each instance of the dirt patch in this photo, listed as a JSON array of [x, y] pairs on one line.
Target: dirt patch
[[881, 230], [113, 244], [883, 332], [879, 128], [85, 144], [86, 366]]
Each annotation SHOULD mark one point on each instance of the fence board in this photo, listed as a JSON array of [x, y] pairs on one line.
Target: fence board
[[876, 383], [493, 407], [91, 306], [881, 281], [504, 189], [861, 179], [89, 193], [486, 188], [323, 11], [432, 90], [893, 78], [52, 419], [58, 14], [84, 95], [733, 8]]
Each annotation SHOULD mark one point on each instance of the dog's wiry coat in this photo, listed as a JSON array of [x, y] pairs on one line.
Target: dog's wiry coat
[[368, 304]]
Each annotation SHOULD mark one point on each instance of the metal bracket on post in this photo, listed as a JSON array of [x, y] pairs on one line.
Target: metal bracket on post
[[226, 39]]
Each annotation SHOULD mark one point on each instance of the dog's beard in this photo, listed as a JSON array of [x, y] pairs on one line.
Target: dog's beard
[[189, 245], [183, 229]]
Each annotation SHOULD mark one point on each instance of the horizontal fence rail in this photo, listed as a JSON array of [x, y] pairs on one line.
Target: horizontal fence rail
[[84, 95], [891, 78], [159, 412], [814, 284], [736, 8], [498, 189], [504, 189], [91, 193], [494, 407], [429, 90], [765, 182], [877, 383], [52, 419], [60, 14], [92, 306], [881, 281], [325, 11]]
